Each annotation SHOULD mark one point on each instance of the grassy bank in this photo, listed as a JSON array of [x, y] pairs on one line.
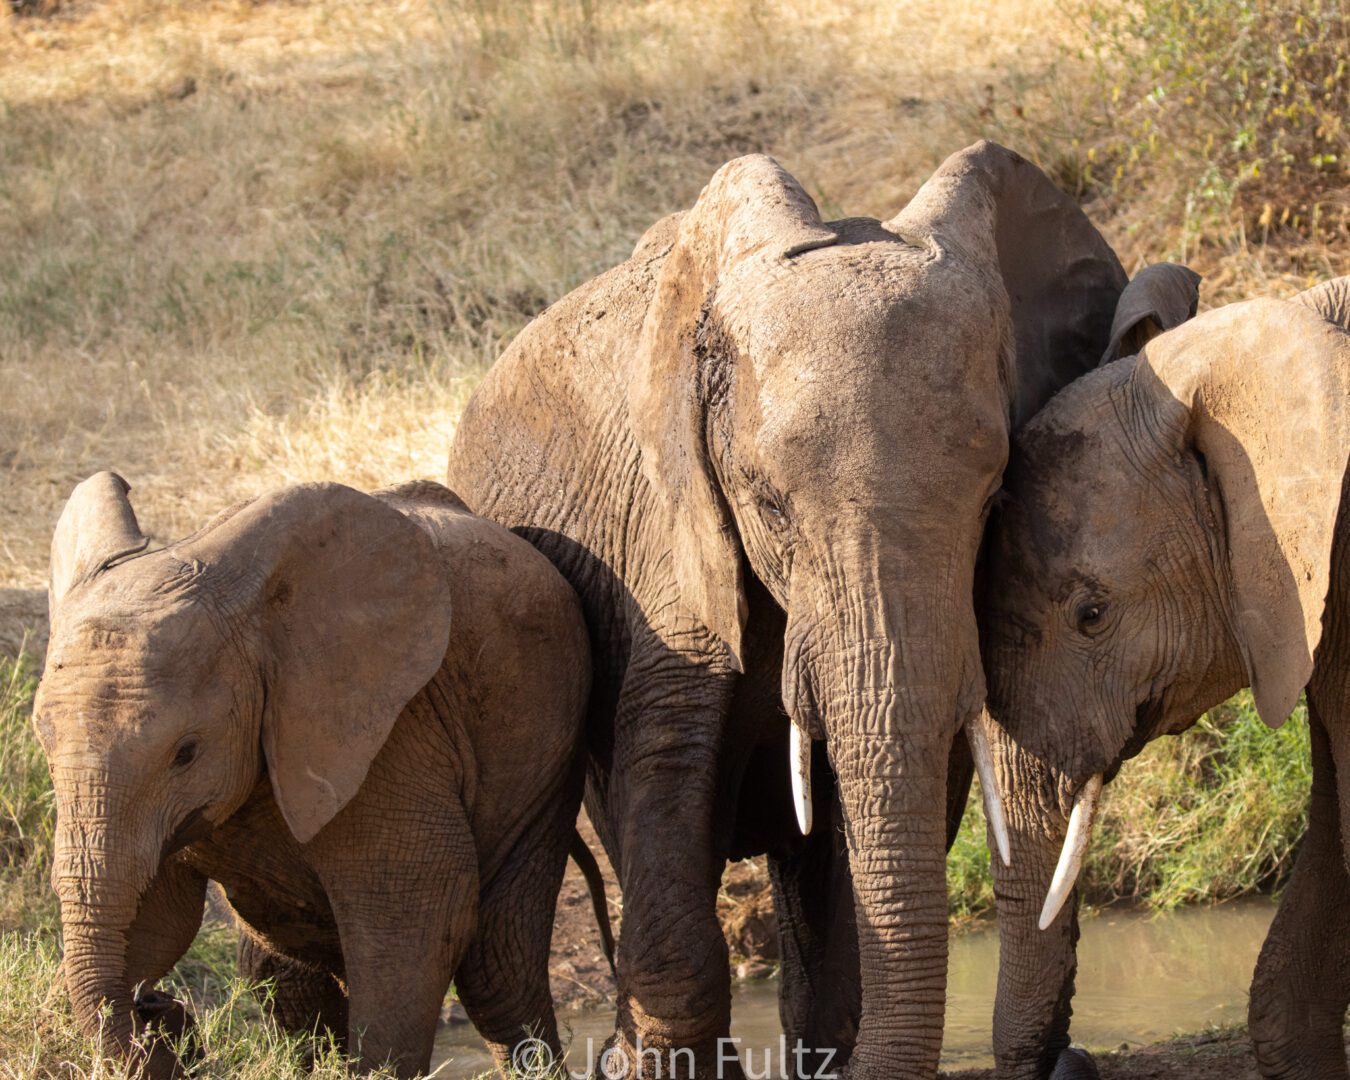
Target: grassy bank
[[1214, 814]]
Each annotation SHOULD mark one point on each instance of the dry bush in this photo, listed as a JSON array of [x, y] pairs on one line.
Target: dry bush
[[1213, 131]]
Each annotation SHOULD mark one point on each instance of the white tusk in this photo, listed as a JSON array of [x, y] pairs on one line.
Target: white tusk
[[799, 755], [1075, 846], [993, 798]]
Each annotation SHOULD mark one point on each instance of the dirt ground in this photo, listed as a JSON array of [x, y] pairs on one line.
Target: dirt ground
[[578, 971], [1217, 1055]]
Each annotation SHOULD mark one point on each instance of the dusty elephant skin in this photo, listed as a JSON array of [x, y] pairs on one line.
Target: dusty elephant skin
[[1174, 531], [359, 714], [762, 450]]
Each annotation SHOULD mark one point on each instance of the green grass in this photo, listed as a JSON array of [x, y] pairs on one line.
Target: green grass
[[1213, 814]]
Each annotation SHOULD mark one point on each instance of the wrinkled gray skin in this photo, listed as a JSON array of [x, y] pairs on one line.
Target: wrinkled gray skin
[[283, 703], [1174, 530], [761, 450]]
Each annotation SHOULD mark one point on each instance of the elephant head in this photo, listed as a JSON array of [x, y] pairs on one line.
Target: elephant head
[[1167, 539], [283, 640], [827, 406]]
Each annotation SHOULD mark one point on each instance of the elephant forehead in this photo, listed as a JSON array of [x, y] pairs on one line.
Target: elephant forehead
[[132, 651]]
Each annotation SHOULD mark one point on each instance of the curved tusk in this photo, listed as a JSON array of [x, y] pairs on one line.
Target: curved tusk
[[993, 798], [1075, 845], [799, 761]]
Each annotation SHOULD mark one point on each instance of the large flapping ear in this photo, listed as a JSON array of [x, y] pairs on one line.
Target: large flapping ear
[[352, 611], [750, 209], [1267, 384], [1062, 279], [1331, 300], [96, 528], [1159, 297]]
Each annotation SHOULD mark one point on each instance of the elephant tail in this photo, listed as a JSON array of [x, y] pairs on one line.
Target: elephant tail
[[595, 882]]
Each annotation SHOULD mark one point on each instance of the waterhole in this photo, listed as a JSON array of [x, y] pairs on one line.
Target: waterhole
[[1141, 979]]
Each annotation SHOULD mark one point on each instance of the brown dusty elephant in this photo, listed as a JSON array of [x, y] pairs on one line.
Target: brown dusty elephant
[[762, 450], [1174, 531], [359, 714]]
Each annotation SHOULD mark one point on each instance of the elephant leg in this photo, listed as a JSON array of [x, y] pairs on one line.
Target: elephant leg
[[304, 999], [167, 919], [503, 980], [401, 875], [820, 990], [673, 964], [1302, 984], [799, 881]]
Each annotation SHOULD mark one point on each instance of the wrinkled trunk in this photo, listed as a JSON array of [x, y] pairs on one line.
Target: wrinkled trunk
[[886, 683], [99, 880], [1036, 967]]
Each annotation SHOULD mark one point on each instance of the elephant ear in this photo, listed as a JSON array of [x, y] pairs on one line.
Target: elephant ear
[[1061, 277], [1331, 300], [352, 612], [96, 528], [750, 209], [1267, 386], [1158, 298]]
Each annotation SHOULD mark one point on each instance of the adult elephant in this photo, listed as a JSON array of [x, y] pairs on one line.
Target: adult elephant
[[1175, 531], [762, 450]]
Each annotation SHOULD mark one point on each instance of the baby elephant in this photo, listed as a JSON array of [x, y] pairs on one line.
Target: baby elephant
[[359, 714]]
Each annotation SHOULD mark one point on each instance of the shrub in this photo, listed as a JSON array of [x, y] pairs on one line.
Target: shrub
[[1230, 111]]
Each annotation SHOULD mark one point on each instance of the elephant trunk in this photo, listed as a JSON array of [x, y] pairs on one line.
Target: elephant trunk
[[885, 686], [99, 879], [1036, 967]]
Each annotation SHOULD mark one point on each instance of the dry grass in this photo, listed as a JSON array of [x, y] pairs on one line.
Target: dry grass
[[245, 243], [299, 268]]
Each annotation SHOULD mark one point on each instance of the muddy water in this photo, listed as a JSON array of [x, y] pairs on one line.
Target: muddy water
[[1141, 978]]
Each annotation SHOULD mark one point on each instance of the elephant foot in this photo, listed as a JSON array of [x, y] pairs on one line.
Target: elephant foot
[[165, 1034], [626, 1059], [1075, 1064]]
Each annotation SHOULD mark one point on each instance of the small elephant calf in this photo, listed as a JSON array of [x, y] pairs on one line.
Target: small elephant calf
[[359, 714]]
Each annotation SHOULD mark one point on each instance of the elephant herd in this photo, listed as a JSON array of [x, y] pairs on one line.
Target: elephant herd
[[740, 539]]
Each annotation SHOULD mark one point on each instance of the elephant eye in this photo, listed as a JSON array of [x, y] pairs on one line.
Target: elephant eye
[[773, 514], [185, 754], [1090, 616]]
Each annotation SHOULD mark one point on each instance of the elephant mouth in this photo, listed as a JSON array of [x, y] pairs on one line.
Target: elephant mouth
[[1148, 716], [196, 826]]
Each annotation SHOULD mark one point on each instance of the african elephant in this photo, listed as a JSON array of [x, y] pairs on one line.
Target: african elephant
[[762, 450], [283, 703], [1173, 532]]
